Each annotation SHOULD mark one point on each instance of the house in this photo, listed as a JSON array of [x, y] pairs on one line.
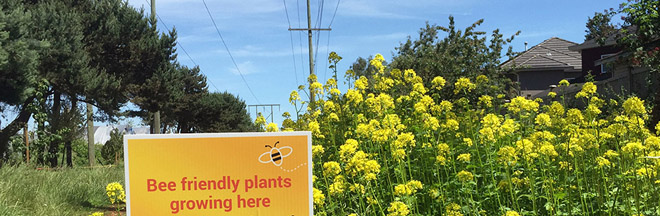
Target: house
[[613, 76], [543, 65]]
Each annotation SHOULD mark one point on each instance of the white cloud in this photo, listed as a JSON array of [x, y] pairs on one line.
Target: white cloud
[[246, 67]]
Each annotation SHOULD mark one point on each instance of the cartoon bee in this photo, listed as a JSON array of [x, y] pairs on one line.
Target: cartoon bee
[[275, 154]]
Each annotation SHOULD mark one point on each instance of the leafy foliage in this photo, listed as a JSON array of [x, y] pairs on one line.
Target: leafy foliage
[[461, 53]]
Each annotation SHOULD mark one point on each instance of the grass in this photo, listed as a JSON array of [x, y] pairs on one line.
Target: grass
[[25, 190]]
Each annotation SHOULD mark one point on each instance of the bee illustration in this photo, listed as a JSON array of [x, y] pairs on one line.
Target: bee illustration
[[275, 155]]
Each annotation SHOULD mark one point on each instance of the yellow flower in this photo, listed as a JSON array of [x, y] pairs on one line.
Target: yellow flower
[[552, 94], [467, 141], [438, 82], [419, 88], [464, 157], [564, 83], [315, 128], [404, 140], [446, 106], [463, 84], [377, 62], [338, 185], [543, 120], [430, 122], [398, 154], [574, 116], [453, 209], [357, 188], [272, 127], [486, 100], [507, 155], [294, 97], [402, 190], [331, 168], [652, 142], [646, 172], [601, 161], [548, 150], [414, 185], [335, 92], [354, 96], [317, 150], [588, 89], [520, 104], [398, 208], [97, 214], [611, 154], [115, 193], [318, 196], [316, 87], [634, 106], [423, 105], [361, 83], [511, 213], [260, 120], [464, 176], [333, 117], [556, 109], [481, 79], [633, 147], [407, 189], [451, 124]]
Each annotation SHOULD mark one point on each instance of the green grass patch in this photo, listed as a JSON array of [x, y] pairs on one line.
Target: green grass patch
[[26, 190]]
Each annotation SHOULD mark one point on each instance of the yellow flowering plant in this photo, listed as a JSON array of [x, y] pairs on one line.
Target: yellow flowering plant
[[393, 144]]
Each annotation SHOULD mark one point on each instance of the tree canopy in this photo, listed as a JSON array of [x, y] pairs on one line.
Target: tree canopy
[[56, 54]]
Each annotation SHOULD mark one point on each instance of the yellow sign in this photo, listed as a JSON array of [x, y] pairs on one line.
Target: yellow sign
[[219, 174]]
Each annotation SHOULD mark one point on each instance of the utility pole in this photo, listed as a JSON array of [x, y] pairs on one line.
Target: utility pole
[[156, 125], [90, 134], [309, 30], [256, 109]]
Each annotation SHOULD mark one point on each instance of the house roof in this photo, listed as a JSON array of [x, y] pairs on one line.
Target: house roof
[[552, 53], [609, 41], [593, 44]]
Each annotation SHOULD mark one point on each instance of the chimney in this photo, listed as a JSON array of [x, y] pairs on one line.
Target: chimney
[[525, 45]]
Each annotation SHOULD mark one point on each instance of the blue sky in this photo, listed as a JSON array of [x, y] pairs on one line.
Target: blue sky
[[256, 33]]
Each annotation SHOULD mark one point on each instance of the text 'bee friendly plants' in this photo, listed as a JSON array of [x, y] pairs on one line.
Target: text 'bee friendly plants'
[[390, 145]]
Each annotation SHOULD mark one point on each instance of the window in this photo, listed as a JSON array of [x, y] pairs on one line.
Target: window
[[605, 66]]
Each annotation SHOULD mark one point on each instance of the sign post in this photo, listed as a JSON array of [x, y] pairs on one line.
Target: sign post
[[219, 174]]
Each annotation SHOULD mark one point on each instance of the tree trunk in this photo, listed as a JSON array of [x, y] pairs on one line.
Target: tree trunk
[[90, 134], [67, 144], [13, 128], [55, 126]]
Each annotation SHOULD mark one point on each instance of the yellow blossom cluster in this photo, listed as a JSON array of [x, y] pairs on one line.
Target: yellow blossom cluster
[[115, 193]]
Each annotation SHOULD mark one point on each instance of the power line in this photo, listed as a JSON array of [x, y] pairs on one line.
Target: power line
[[318, 36], [334, 14], [328, 45], [302, 62], [293, 53], [327, 53], [180, 45], [230, 55]]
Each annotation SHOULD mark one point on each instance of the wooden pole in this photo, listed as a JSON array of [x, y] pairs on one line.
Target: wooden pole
[[90, 135], [156, 128], [27, 144]]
